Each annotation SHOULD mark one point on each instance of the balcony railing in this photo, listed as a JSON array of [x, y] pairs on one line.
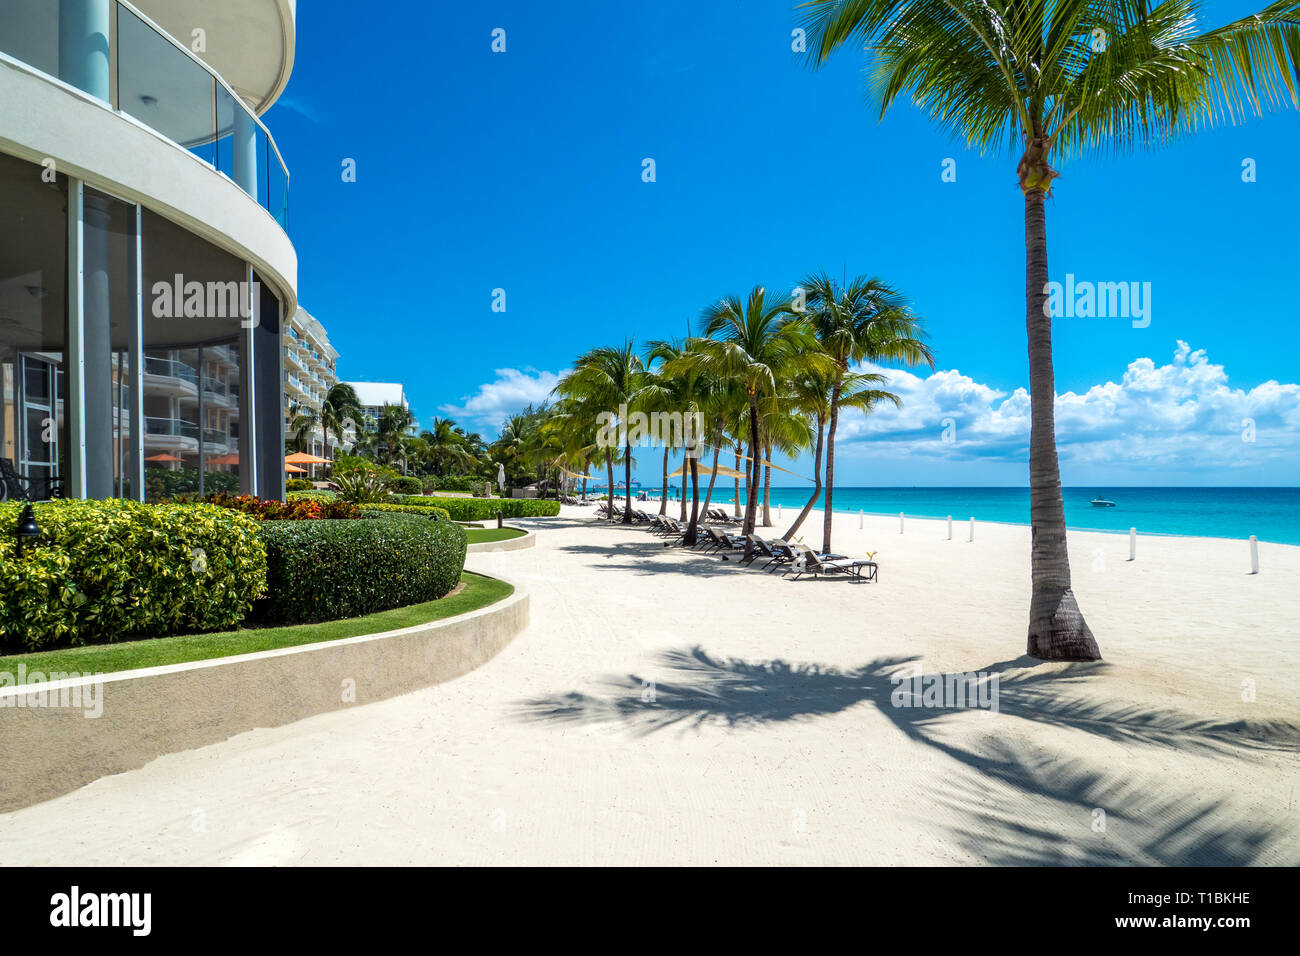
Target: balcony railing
[[174, 427], [159, 82], [170, 368]]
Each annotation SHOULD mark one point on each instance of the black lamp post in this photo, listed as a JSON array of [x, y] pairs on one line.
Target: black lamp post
[[499, 519], [27, 531]]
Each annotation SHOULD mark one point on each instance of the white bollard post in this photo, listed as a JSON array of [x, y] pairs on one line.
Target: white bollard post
[[949, 527], [859, 519], [972, 528], [1254, 555], [900, 522], [778, 512], [1132, 544]]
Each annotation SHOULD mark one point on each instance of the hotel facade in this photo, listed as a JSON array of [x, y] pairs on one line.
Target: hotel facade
[[310, 371], [148, 284]]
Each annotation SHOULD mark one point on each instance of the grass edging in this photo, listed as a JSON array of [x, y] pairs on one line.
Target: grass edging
[[479, 592]]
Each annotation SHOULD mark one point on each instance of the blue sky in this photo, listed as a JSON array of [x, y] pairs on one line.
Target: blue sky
[[522, 171]]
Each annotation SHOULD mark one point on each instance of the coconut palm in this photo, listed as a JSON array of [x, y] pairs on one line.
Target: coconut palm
[[604, 381], [862, 320], [341, 410], [1052, 80], [446, 448], [757, 343], [391, 430], [810, 396], [303, 421]]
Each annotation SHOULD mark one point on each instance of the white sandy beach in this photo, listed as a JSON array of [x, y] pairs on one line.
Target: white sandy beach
[[768, 736]]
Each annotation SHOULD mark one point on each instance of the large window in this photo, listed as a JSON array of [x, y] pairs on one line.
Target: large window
[[196, 300], [33, 323]]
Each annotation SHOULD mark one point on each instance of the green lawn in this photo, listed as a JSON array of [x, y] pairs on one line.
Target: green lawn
[[481, 535], [479, 591]]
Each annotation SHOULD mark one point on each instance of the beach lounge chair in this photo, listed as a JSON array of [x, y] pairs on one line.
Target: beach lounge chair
[[760, 549], [809, 562], [733, 543]]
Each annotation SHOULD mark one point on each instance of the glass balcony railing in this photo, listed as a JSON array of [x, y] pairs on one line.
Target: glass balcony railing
[[158, 81], [170, 426], [170, 368]]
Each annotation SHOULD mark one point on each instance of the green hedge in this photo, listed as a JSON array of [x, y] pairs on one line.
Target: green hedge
[[483, 509], [107, 570], [430, 511], [325, 570], [408, 485], [318, 495]]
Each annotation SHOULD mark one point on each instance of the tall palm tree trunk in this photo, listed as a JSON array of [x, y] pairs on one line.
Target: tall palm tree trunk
[[751, 503], [627, 482], [817, 479], [663, 497], [767, 487], [1057, 630], [692, 530], [609, 466], [735, 501], [712, 478], [685, 478], [830, 463]]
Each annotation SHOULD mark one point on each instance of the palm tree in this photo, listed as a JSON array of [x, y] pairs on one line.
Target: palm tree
[[863, 320], [606, 380], [757, 344], [303, 420], [392, 429], [446, 447], [340, 410], [1060, 79], [811, 397]]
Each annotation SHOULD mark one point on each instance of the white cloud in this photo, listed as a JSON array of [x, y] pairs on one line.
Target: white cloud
[[512, 391], [1180, 415]]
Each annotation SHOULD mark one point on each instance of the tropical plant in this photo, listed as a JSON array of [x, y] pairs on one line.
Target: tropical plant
[[341, 410], [604, 382], [758, 344], [1055, 80], [361, 481], [862, 320]]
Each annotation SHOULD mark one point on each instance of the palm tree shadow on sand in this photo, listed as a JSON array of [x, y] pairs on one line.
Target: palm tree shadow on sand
[[1143, 822]]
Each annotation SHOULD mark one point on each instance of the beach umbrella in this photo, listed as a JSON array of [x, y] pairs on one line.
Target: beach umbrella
[[295, 470], [723, 472], [302, 458], [777, 467], [163, 456]]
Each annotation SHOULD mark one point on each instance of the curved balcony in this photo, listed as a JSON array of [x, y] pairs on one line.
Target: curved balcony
[[109, 49]]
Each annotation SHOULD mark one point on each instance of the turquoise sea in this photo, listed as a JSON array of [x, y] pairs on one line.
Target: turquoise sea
[[1271, 514]]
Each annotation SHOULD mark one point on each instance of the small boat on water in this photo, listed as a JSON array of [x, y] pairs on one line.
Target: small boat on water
[[1100, 502]]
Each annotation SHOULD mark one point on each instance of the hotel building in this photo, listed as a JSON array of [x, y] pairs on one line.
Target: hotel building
[[310, 371], [146, 271]]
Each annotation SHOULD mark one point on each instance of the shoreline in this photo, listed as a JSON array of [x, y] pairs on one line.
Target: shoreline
[[1008, 524]]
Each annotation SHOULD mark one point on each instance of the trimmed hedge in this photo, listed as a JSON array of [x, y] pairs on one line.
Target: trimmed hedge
[[408, 485], [325, 570], [431, 511], [106, 570], [320, 494], [483, 509]]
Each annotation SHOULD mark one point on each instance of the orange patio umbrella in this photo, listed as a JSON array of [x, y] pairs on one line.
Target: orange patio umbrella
[[295, 470], [302, 458], [231, 459], [163, 456]]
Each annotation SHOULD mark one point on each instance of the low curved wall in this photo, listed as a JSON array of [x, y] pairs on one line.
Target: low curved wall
[[49, 751], [509, 544]]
